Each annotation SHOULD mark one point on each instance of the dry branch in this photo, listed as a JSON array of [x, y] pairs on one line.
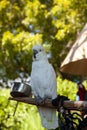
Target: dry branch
[[72, 105]]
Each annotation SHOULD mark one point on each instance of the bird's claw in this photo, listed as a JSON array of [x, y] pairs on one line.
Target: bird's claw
[[37, 98], [45, 98], [43, 101]]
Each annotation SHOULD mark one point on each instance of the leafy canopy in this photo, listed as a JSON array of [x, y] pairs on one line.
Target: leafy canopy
[[25, 23]]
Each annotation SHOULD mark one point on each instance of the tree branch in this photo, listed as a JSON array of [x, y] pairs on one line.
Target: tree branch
[[72, 105]]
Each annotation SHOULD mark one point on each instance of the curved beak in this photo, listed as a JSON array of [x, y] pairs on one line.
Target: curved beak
[[34, 53]]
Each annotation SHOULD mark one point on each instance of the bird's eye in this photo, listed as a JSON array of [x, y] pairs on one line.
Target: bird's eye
[[40, 50]]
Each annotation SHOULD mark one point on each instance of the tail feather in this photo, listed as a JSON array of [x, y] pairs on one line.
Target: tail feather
[[49, 118]]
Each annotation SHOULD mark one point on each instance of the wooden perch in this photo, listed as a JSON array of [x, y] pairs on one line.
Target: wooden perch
[[71, 105]]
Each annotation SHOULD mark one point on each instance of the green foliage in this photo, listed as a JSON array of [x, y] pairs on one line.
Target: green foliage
[[17, 52], [26, 116], [67, 88], [24, 23]]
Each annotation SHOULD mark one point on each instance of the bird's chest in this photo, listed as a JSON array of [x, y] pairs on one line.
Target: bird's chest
[[39, 75]]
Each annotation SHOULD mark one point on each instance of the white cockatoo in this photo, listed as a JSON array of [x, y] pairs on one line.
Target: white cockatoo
[[44, 85]]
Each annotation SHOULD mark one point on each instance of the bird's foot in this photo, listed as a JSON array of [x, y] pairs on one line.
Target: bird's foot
[[37, 99], [45, 98]]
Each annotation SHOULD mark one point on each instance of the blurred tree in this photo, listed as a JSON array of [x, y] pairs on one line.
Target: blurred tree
[[26, 22]]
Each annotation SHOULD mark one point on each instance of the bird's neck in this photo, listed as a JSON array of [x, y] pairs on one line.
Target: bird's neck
[[40, 63]]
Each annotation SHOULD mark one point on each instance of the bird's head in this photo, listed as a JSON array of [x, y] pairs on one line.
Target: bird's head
[[39, 53]]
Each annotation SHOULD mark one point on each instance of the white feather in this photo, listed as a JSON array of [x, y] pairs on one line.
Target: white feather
[[43, 82]]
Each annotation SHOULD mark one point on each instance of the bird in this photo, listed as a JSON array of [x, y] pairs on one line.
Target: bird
[[44, 85]]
